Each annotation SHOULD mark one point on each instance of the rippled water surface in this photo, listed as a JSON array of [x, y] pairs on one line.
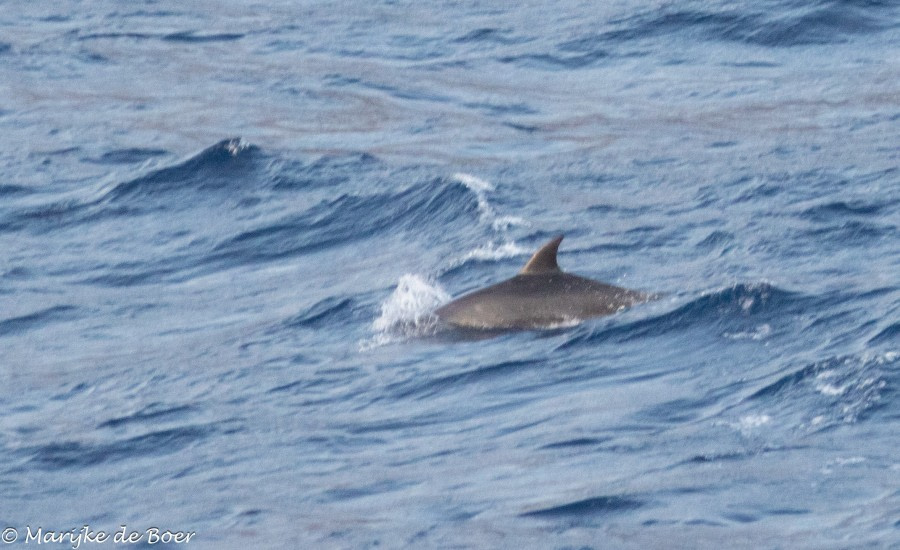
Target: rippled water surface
[[223, 230]]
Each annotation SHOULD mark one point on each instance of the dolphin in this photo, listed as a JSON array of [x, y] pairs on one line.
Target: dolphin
[[539, 296]]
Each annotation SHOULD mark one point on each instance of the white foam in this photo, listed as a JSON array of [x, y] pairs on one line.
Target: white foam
[[849, 461], [408, 311], [568, 322], [236, 145], [502, 223], [503, 247], [747, 424], [473, 182], [751, 421], [493, 251], [826, 388], [758, 333], [480, 187], [485, 211]]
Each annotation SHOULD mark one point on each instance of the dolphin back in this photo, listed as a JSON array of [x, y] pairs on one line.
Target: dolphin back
[[540, 296], [538, 301]]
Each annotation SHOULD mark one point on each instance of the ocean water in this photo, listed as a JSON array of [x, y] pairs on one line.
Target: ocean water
[[223, 229]]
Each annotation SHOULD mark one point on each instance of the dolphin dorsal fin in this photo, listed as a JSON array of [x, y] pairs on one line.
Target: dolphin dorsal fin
[[544, 260]]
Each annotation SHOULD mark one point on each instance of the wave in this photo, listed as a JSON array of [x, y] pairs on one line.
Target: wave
[[440, 202], [152, 413], [131, 155], [58, 456], [328, 171], [231, 178], [841, 209], [193, 36], [890, 334], [14, 326], [221, 202], [736, 311], [426, 386], [10, 190], [850, 233], [179, 36], [837, 390], [823, 22], [323, 313], [818, 23], [350, 218], [216, 168], [489, 35], [557, 61], [582, 511]]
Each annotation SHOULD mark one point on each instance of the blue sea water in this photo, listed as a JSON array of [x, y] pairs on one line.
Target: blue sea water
[[223, 229]]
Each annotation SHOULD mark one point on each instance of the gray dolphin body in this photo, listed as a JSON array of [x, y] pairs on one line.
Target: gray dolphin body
[[540, 296]]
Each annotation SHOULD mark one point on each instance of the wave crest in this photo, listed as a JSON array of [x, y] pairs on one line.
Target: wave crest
[[215, 167]]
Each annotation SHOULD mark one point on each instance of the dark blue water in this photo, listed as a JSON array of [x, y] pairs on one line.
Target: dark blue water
[[223, 229]]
